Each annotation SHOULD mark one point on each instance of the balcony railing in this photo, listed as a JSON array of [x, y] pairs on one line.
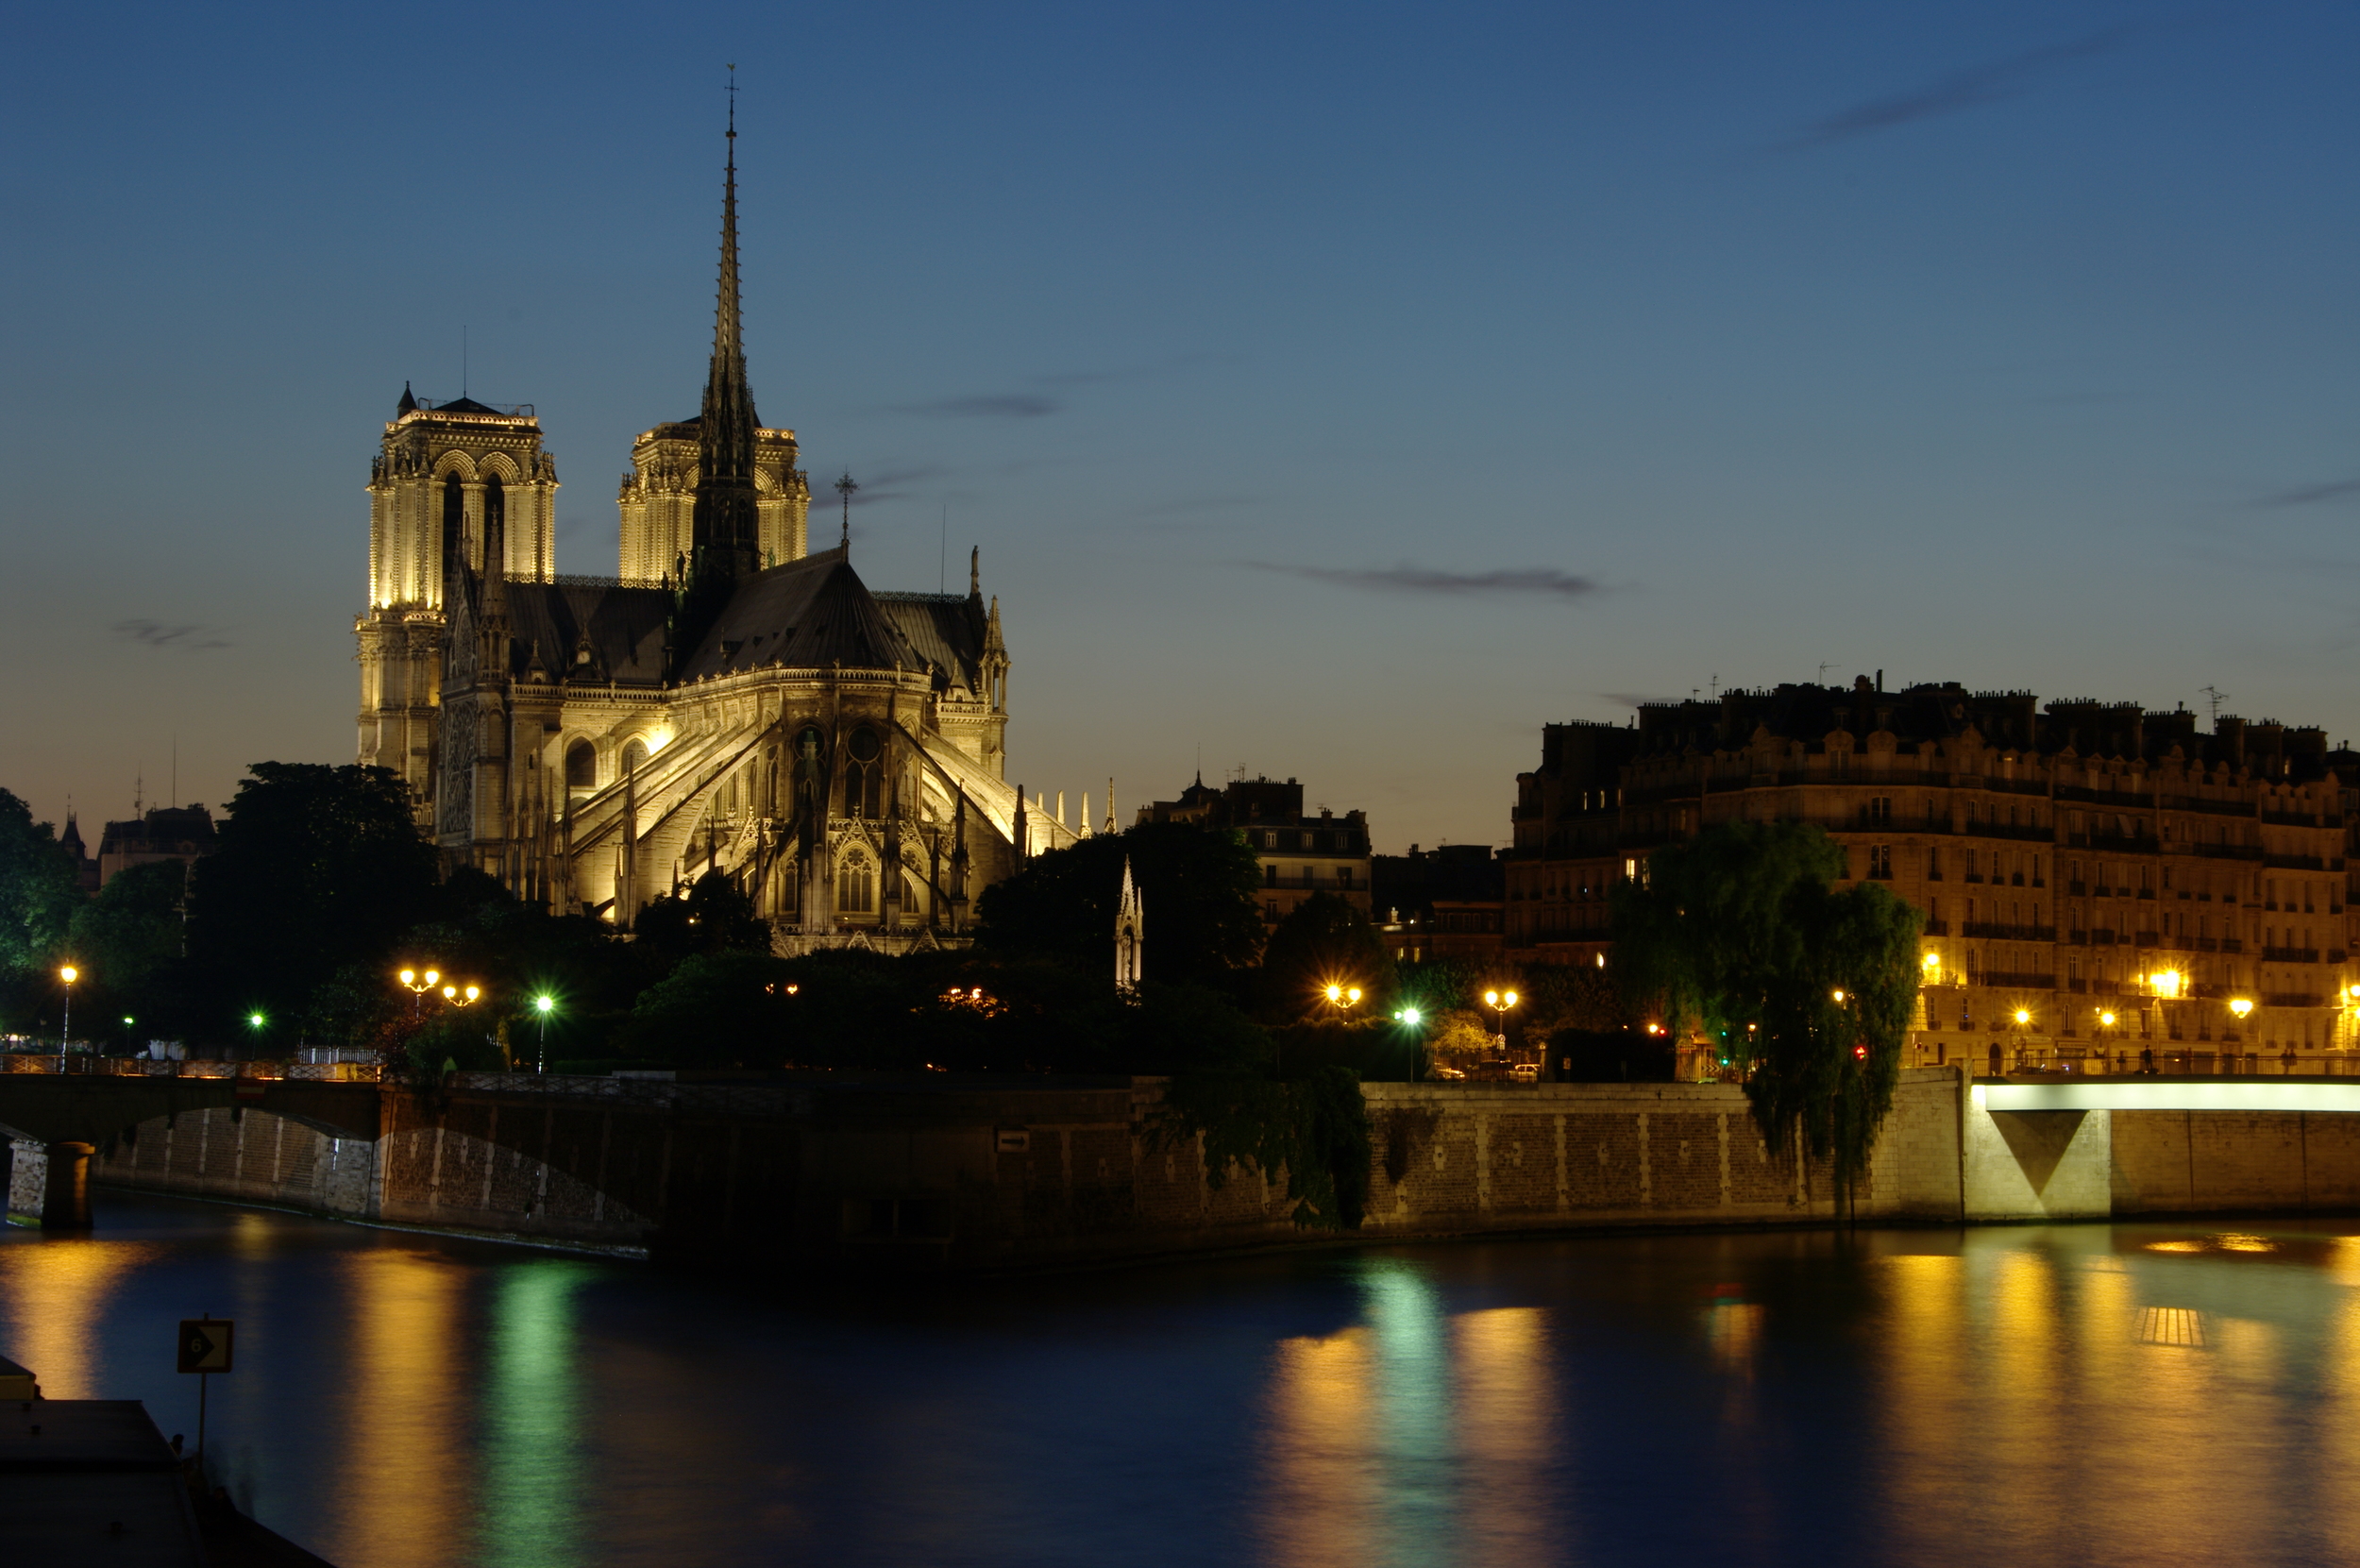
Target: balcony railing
[[2000, 932], [2290, 955]]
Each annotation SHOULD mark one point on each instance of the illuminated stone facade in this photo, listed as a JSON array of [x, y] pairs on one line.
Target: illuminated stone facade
[[658, 500], [730, 703], [2098, 881]]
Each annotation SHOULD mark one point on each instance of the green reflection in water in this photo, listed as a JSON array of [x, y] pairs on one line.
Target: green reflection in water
[[533, 1498], [1415, 1493]]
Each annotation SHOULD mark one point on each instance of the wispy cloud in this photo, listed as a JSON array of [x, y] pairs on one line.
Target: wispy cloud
[[1038, 398], [1956, 91], [1547, 581], [1632, 698], [179, 639], [2311, 495], [998, 405]]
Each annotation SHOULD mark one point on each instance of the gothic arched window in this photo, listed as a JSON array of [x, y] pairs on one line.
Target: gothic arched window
[[864, 775], [855, 886], [581, 765], [495, 518], [635, 756], [454, 518]]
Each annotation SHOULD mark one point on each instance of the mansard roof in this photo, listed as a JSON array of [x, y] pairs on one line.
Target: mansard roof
[[621, 628], [806, 615]]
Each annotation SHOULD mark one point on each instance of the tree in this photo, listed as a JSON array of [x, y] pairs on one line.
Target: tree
[[36, 892], [711, 917], [1198, 891], [128, 941], [1323, 941], [38, 897], [1741, 931], [317, 868]]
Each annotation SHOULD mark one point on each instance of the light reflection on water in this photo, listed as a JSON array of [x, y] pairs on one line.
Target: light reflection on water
[[2107, 1394]]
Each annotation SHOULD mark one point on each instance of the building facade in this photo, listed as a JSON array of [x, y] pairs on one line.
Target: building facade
[[2096, 879], [1299, 855], [734, 702], [180, 833], [1449, 901]]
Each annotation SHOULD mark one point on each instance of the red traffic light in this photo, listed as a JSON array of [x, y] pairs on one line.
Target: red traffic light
[[1860, 1053]]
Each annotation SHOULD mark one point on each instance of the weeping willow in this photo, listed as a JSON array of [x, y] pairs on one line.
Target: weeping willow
[[1741, 933]]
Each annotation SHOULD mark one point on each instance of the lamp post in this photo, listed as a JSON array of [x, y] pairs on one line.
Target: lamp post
[[419, 986], [1500, 1001], [69, 974], [2240, 1009], [543, 1005], [1410, 1017]]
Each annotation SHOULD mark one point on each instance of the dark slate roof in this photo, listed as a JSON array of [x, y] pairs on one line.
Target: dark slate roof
[[625, 628], [806, 615], [463, 405], [945, 630]]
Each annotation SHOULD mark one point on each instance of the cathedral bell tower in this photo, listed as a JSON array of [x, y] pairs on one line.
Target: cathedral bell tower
[[448, 478]]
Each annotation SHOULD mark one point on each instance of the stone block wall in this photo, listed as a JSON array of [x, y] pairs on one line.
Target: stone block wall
[[242, 1155], [2194, 1162], [1450, 1159], [28, 1177]]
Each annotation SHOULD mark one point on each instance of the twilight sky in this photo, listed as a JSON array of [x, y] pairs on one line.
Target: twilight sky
[[1342, 390]]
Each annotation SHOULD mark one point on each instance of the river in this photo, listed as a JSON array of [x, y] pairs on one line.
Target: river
[[2123, 1394]]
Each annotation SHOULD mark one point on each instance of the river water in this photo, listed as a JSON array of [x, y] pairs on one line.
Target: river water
[[2088, 1393]]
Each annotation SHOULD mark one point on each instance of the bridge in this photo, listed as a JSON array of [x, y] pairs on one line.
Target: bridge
[[2128, 1092], [74, 1114], [935, 1169], [2099, 1146]]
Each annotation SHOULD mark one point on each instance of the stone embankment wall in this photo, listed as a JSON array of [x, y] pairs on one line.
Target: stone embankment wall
[[978, 1173], [1453, 1158]]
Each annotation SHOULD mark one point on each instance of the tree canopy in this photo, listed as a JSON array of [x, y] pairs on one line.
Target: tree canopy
[[38, 897], [1323, 941], [315, 867], [1199, 889], [1739, 931]]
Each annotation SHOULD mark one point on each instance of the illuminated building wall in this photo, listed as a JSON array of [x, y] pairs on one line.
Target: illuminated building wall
[[2073, 859]]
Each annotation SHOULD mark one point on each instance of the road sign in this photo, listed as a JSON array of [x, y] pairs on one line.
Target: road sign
[[204, 1344]]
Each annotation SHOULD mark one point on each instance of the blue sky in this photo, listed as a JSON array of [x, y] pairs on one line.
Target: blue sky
[[1342, 390]]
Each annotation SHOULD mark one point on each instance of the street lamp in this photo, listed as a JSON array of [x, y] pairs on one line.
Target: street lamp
[[419, 984], [543, 1005], [1500, 1001], [65, 1031], [454, 997], [1344, 996]]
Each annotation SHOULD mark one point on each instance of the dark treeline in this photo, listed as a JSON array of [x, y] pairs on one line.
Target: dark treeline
[[292, 932]]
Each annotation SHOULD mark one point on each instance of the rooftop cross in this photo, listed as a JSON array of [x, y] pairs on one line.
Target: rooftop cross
[[844, 487]]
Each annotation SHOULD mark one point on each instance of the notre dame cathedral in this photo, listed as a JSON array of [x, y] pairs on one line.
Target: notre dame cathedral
[[732, 703]]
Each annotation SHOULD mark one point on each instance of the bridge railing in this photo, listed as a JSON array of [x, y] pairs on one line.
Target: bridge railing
[[79, 1065], [2177, 1060]]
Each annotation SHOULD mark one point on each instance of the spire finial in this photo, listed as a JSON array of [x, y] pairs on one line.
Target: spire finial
[[844, 487]]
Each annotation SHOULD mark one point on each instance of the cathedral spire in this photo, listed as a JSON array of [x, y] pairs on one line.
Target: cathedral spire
[[725, 528]]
